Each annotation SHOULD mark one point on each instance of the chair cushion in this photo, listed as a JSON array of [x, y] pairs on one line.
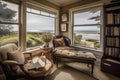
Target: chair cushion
[[59, 42], [16, 56], [7, 48], [73, 53]]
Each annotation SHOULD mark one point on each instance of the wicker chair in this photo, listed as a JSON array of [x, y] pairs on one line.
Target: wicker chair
[[15, 66]]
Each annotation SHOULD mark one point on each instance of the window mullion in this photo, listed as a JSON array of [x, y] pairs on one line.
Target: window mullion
[[87, 25], [8, 23]]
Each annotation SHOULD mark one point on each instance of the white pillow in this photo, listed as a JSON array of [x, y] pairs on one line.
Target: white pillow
[[16, 56]]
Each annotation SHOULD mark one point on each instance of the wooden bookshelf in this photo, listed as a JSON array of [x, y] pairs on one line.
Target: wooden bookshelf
[[111, 55]]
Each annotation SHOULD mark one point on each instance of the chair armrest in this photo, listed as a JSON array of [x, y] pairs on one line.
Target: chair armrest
[[54, 50], [10, 62], [28, 53]]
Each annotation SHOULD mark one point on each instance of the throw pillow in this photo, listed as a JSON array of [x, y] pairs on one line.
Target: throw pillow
[[59, 42], [16, 56]]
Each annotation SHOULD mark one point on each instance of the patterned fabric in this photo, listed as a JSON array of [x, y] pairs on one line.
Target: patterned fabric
[[72, 52]]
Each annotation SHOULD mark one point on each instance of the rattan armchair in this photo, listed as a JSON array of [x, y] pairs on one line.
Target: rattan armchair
[[16, 66]]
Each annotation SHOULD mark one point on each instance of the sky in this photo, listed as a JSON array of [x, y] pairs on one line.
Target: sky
[[83, 18], [41, 23]]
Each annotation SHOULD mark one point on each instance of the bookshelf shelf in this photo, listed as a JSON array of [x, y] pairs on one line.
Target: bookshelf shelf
[[110, 25], [113, 46], [111, 36], [114, 11], [111, 53]]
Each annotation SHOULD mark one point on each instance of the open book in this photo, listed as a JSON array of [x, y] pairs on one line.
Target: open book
[[37, 63]]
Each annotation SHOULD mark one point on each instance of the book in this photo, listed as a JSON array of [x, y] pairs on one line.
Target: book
[[37, 63]]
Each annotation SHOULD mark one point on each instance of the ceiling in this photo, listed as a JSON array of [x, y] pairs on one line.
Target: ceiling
[[63, 2]]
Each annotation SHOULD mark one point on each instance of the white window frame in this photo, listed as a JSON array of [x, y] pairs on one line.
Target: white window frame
[[84, 7], [40, 14], [47, 9], [42, 7], [13, 23]]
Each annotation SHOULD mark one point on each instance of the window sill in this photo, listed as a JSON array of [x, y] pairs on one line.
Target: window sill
[[89, 49]]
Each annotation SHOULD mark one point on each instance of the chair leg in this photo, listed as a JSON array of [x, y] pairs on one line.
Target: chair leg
[[43, 78], [92, 67], [87, 65], [57, 64]]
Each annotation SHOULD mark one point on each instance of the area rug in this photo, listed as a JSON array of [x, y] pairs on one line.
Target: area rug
[[68, 73], [78, 71]]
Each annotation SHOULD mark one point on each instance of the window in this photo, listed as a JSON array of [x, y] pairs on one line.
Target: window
[[87, 25], [9, 23], [38, 22]]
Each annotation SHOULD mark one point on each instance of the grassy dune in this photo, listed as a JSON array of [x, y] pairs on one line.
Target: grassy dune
[[32, 39]]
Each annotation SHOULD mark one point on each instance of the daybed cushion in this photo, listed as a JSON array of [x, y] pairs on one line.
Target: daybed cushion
[[72, 52]]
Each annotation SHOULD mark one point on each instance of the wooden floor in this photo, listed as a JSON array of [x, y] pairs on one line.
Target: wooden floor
[[79, 72]]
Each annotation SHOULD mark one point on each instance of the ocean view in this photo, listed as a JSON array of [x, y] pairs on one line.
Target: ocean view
[[86, 34], [89, 34]]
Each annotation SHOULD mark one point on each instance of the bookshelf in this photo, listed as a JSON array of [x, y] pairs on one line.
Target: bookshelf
[[110, 61]]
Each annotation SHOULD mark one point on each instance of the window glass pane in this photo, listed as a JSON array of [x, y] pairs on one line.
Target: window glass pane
[[88, 17], [45, 13], [36, 25], [28, 10], [35, 11], [87, 36], [8, 12], [52, 15], [8, 34]]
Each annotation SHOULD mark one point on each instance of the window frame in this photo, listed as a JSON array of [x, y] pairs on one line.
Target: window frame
[[39, 6], [13, 23], [82, 8], [8, 22], [44, 8], [84, 25], [39, 14], [22, 19]]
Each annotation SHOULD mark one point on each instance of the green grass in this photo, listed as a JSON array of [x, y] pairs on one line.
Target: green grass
[[32, 39]]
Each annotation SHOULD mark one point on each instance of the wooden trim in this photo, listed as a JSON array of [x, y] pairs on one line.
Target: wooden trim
[[9, 23], [88, 25], [72, 10]]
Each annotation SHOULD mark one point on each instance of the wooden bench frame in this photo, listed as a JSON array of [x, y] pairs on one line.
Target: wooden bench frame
[[67, 41], [58, 58]]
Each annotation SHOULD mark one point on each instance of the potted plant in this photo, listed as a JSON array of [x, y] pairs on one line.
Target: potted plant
[[46, 37]]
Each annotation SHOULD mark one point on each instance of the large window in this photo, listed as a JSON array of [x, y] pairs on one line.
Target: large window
[[38, 22], [8, 23], [87, 25]]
